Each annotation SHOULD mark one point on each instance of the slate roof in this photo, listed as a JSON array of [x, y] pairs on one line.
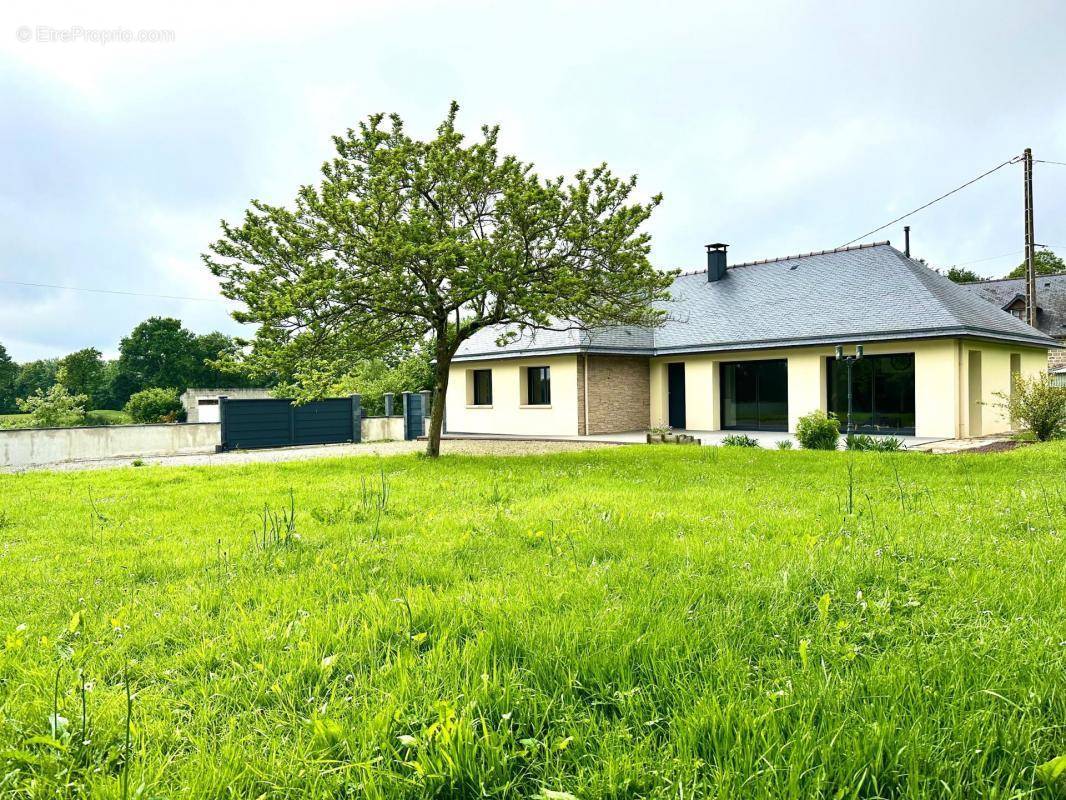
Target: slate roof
[[856, 294], [1050, 299]]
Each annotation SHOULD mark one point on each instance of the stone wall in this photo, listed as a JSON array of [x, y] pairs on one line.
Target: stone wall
[[619, 394]]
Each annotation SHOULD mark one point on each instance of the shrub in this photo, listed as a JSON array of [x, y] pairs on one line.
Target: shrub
[[154, 405], [56, 408], [818, 431], [1037, 405], [858, 441], [739, 440], [784, 444]]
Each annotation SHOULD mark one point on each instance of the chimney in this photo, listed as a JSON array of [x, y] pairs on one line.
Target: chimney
[[716, 262], [907, 241]]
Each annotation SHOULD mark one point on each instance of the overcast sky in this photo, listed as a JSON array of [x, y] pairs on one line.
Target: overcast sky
[[777, 127]]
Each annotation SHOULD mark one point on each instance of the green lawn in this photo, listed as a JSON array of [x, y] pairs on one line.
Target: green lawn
[[631, 622], [101, 416]]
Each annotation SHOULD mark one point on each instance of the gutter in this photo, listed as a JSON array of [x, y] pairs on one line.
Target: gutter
[[1040, 341]]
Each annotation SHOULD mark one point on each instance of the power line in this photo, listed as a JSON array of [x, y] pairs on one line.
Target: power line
[[114, 291], [1057, 163], [1013, 160]]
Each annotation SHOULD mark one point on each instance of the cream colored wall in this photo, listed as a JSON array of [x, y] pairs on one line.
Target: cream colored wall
[[936, 385], [938, 396], [941, 388], [995, 379], [508, 413]]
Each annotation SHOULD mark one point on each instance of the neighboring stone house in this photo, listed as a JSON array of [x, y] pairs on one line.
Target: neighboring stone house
[[1009, 294], [751, 347], [201, 405]]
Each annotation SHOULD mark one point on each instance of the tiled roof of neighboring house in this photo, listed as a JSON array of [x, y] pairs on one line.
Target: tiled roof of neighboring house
[[864, 293], [1050, 299]]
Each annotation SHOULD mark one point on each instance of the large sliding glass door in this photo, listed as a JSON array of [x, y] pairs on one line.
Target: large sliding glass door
[[882, 393], [754, 395]]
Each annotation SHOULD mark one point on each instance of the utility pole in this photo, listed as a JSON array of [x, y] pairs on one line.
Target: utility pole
[[1030, 264]]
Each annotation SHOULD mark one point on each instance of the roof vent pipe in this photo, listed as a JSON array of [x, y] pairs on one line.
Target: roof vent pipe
[[907, 241], [716, 261]]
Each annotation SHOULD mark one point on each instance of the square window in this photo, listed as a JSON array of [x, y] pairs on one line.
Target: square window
[[482, 387], [538, 386]]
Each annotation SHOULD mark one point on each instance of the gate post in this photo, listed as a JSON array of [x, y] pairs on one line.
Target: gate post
[[221, 448], [357, 419], [388, 403]]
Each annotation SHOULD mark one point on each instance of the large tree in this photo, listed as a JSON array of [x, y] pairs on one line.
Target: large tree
[[85, 373], [962, 275], [1045, 262], [158, 353], [9, 373], [36, 376], [429, 242]]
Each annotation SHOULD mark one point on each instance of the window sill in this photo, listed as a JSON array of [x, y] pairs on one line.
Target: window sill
[[538, 405], [474, 406]]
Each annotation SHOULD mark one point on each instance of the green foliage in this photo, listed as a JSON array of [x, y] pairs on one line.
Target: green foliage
[[84, 372], [739, 440], [409, 242], [36, 376], [962, 275], [818, 431], [614, 623], [154, 405], [374, 378], [1037, 405], [1045, 263], [160, 353], [8, 382], [784, 444], [93, 418], [879, 444], [56, 408], [106, 416]]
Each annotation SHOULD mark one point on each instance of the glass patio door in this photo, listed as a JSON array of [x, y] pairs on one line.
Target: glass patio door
[[754, 395]]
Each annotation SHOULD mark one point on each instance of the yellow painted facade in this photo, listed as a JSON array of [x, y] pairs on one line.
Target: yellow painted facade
[[509, 413], [955, 385], [945, 406]]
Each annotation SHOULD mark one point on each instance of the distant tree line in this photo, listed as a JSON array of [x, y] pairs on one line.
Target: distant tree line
[[1045, 262], [159, 353]]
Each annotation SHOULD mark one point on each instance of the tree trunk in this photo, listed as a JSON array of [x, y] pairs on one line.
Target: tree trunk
[[440, 392]]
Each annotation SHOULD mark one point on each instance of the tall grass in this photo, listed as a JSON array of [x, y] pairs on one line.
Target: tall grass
[[633, 622]]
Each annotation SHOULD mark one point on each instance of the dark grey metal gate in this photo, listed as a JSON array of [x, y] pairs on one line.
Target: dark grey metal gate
[[248, 424]]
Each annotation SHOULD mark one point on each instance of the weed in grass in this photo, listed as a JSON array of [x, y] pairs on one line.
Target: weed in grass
[[278, 528], [96, 516]]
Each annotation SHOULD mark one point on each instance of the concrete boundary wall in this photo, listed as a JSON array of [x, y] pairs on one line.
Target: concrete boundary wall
[[28, 447], [382, 429], [33, 446]]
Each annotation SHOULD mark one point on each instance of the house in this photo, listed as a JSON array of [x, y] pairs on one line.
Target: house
[[1009, 295], [201, 405], [751, 347]]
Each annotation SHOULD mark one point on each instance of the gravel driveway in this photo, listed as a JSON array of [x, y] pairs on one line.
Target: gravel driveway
[[481, 447]]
